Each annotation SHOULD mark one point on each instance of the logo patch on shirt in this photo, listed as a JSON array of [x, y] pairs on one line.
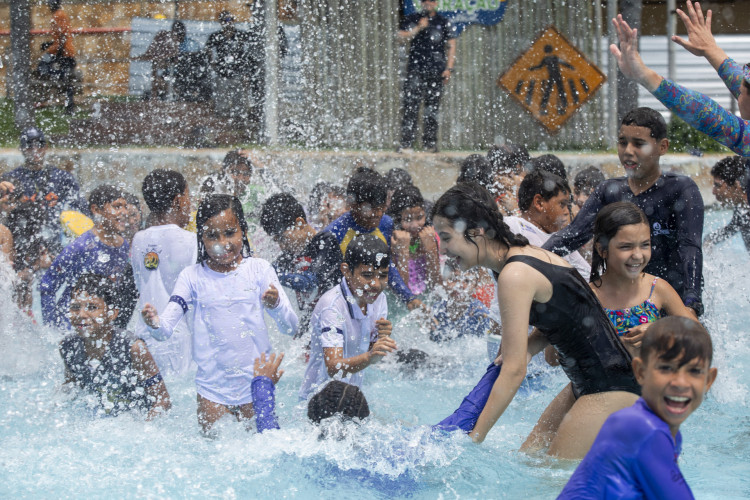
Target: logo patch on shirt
[[657, 230], [151, 260]]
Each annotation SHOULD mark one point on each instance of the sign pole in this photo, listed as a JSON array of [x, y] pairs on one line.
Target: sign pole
[[612, 78], [671, 31], [271, 111]]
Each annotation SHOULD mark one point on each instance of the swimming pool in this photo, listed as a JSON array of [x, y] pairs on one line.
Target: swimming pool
[[51, 448]]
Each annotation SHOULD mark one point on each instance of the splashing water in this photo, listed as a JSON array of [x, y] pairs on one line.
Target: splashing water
[[53, 447]]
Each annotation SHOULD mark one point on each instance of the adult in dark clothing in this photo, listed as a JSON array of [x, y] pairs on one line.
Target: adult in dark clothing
[[310, 263], [672, 203], [729, 174], [228, 52], [431, 60], [55, 190]]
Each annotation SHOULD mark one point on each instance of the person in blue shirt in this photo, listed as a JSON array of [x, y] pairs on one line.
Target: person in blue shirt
[[102, 250], [53, 189], [367, 195], [635, 453]]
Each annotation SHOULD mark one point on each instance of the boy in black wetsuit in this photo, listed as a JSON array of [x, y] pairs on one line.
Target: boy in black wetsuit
[[729, 175], [672, 203], [310, 263]]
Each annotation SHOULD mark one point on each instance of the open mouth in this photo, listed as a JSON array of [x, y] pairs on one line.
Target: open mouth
[[677, 404]]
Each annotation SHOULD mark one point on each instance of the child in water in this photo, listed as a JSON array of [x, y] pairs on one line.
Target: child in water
[[415, 245], [635, 453], [228, 291], [106, 361], [631, 297]]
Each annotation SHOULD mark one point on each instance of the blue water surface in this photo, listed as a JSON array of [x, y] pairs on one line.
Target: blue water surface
[[52, 447]]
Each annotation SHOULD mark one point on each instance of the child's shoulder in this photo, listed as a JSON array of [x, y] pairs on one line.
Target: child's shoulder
[[636, 423]]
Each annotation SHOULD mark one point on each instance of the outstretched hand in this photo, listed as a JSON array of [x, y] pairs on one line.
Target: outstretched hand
[[271, 298], [701, 41], [629, 59], [268, 368]]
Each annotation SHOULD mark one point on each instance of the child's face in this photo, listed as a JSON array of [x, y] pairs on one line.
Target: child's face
[[133, 219], [728, 194], [90, 315], [367, 215], [366, 282], [554, 213], [628, 252], [413, 220], [639, 153], [673, 392], [222, 237], [113, 216], [332, 207], [455, 245], [580, 197], [295, 238]]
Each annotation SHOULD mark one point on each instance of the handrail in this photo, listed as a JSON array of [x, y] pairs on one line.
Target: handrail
[[78, 31]]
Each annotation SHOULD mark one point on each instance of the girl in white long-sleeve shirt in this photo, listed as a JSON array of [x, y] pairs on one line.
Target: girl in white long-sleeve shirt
[[225, 294]]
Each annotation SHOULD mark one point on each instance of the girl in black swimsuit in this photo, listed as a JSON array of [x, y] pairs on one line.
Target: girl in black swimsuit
[[538, 288]]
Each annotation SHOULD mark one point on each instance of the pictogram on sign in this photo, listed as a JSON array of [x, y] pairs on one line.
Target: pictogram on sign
[[552, 79]]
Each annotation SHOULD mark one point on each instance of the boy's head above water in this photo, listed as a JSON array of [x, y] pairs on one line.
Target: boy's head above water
[[365, 267], [283, 219], [674, 368], [641, 142], [93, 305], [367, 194]]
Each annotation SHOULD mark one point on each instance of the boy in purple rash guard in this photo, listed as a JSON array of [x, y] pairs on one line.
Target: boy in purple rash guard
[[635, 453]]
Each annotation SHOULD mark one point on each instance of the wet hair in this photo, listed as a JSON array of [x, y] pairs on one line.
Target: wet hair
[[731, 169], [549, 163], [338, 399], [96, 285], [279, 213], [54, 5], [403, 198], [368, 250], [319, 192], [132, 199], [649, 118], [588, 179], [677, 338], [540, 182], [27, 225], [505, 159], [234, 159], [212, 205], [608, 221], [476, 168], [103, 194], [367, 186], [396, 178], [467, 206], [160, 188]]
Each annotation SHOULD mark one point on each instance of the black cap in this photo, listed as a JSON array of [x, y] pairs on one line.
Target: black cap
[[32, 135]]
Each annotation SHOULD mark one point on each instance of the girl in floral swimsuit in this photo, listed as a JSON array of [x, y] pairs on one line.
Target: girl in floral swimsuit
[[631, 298]]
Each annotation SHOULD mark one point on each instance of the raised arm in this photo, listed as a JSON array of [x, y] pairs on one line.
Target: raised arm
[[162, 324], [701, 41]]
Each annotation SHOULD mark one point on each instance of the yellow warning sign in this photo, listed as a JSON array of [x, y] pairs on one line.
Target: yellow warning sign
[[552, 79]]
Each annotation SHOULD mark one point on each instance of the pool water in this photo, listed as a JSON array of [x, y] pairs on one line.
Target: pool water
[[52, 447]]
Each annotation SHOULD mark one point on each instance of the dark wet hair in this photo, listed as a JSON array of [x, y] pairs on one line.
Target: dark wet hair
[[132, 199], [608, 221], [677, 338], [212, 205], [540, 182], [649, 118], [338, 399], [396, 178], [549, 163], [505, 159], [96, 285], [27, 225], [320, 191], [730, 170], [588, 179], [403, 198], [367, 186], [105, 193], [160, 188], [279, 213], [233, 159], [472, 205], [476, 168], [368, 250]]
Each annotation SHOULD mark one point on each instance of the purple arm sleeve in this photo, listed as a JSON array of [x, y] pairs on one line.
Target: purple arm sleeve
[[264, 404], [657, 471]]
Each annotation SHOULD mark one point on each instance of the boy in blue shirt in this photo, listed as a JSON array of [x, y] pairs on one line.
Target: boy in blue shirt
[[635, 453], [367, 195]]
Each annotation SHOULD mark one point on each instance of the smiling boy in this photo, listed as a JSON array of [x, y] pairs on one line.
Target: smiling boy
[[350, 329], [635, 454], [672, 203]]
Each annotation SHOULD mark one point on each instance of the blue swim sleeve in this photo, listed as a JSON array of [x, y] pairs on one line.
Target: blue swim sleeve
[[466, 415], [264, 404]]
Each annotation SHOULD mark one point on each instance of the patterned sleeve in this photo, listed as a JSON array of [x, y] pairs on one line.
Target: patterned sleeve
[[705, 115], [732, 73]]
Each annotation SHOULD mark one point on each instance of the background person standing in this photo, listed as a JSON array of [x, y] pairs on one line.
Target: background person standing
[[432, 55]]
